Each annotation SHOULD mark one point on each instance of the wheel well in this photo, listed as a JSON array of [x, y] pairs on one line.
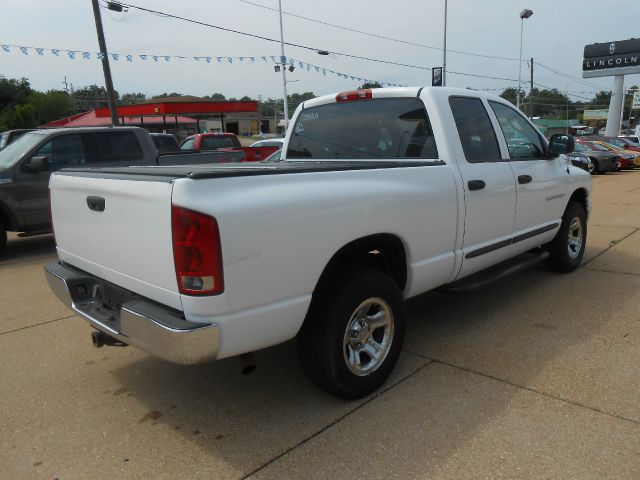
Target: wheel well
[[5, 219], [384, 252], [579, 196]]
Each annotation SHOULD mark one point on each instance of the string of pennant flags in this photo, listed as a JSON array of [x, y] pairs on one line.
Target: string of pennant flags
[[116, 57]]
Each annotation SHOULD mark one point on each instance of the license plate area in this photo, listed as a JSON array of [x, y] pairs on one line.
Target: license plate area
[[100, 300]]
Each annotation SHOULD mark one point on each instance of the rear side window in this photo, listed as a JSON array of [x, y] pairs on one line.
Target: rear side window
[[211, 143], [110, 147], [386, 128], [479, 141]]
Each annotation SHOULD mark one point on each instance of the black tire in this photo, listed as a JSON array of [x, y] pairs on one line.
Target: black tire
[[601, 171], [327, 354], [574, 225], [596, 167], [3, 240]]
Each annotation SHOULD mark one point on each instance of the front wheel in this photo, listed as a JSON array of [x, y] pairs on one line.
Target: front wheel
[[352, 338], [567, 248]]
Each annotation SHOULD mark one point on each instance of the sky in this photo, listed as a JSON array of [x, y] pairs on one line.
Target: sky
[[554, 36]]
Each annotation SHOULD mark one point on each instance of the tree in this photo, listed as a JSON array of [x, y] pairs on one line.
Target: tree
[[166, 95], [91, 97], [366, 85], [216, 96], [132, 98], [40, 108], [296, 99], [246, 99], [510, 94], [13, 92]]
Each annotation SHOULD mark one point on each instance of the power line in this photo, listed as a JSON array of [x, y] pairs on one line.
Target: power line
[[567, 76], [268, 39], [374, 35], [306, 47]]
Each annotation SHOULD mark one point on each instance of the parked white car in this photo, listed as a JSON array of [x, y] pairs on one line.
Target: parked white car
[[382, 195]]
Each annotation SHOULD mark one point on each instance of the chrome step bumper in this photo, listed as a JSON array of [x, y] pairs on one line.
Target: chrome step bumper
[[158, 330]]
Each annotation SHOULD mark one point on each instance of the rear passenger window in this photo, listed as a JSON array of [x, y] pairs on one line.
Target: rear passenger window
[[475, 129], [522, 139], [111, 147], [372, 129]]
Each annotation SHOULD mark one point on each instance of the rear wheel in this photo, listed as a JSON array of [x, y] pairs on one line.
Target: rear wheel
[[567, 248], [352, 338], [599, 170]]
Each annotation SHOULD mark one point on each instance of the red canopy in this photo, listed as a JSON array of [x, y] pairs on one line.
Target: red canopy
[[179, 108]]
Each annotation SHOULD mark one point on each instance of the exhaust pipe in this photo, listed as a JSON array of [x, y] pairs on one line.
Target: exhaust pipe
[[247, 363], [101, 339]]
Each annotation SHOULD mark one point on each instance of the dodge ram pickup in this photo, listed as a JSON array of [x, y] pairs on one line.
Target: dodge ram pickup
[[380, 195]]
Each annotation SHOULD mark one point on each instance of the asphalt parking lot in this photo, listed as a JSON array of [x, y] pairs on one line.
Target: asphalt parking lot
[[536, 376]]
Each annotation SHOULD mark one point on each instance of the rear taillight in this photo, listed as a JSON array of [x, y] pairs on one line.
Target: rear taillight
[[197, 252], [354, 95]]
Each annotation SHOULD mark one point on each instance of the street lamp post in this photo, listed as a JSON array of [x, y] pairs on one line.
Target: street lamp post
[[444, 48], [283, 68], [526, 13]]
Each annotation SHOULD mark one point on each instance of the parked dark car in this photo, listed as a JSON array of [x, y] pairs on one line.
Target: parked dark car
[[26, 165], [603, 161], [10, 136], [582, 161]]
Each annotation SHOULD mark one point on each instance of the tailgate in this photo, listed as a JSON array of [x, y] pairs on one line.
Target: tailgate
[[118, 230]]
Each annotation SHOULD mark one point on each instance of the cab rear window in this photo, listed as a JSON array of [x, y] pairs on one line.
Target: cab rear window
[[387, 128]]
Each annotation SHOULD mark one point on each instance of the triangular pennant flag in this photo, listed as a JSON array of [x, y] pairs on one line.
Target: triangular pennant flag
[[6, 48], [143, 57], [155, 58], [167, 58], [24, 50], [40, 51], [115, 56], [72, 54], [219, 59], [129, 58], [208, 59]]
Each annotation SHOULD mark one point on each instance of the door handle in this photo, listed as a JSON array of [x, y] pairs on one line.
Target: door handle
[[95, 204], [524, 179], [476, 184]]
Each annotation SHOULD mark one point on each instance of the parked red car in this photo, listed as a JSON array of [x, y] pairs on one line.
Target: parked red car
[[226, 142]]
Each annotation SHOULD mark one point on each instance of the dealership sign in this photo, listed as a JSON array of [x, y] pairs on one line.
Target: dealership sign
[[612, 58]]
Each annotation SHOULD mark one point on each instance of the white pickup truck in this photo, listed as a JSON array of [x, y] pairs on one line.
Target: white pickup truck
[[381, 195]]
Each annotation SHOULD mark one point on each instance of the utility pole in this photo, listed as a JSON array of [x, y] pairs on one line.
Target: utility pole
[[105, 64], [66, 85], [531, 93]]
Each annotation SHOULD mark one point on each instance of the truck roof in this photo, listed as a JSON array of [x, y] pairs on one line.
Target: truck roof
[[404, 92]]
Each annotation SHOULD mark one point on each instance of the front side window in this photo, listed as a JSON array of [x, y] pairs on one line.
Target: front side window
[[63, 151], [478, 139], [371, 129], [522, 139]]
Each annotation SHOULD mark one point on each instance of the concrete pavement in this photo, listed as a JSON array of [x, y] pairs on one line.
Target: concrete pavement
[[536, 376]]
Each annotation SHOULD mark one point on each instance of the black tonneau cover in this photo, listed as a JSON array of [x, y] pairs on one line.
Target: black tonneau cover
[[169, 173]]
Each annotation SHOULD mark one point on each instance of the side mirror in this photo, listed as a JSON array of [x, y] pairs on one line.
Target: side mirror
[[561, 143], [38, 164]]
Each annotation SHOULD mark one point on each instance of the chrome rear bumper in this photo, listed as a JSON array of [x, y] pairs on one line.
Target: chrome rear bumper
[[158, 330]]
